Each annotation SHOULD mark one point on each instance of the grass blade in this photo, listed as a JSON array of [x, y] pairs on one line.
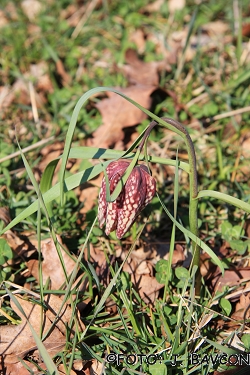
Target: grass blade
[[226, 198]]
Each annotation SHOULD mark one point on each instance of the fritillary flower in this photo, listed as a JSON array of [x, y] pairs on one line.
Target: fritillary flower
[[136, 194]]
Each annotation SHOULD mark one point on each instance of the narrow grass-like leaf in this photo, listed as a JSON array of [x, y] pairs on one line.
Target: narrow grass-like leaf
[[95, 153], [226, 198], [43, 206], [72, 277], [176, 193], [92, 270], [47, 176], [111, 285], [222, 348], [127, 305], [197, 240], [71, 183]]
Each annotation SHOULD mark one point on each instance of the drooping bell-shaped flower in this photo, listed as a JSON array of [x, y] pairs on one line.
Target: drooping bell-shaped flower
[[136, 194]]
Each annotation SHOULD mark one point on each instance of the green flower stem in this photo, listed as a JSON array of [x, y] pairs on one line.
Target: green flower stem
[[176, 127]]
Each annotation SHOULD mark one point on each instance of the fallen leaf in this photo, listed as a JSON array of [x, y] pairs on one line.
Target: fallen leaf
[[51, 265], [40, 74], [31, 8], [138, 38], [246, 30], [242, 305], [17, 341], [88, 194], [147, 286], [98, 261], [66, 78], [216, 28], [20, 246], [174, 5], [18, 368], [96, 368], [231, 278], [5, 215], [64, 371], [117, 113], [3, 19], [153, 7], [140, 72]]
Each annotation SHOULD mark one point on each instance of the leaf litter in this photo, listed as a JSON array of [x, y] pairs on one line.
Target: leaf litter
[[17, 340], [117, 116]]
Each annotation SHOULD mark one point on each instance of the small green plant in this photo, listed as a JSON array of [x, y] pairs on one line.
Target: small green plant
[[5, 255], [233, 234]]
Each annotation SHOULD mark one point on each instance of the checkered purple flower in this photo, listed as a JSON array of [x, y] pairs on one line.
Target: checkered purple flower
[[136, 194]]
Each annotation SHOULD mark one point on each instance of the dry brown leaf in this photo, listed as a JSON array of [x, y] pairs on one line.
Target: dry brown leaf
[[17, 341], [174, 5], [31, 8], [63, 371], [147, 286], [18, 368], [153, 7], [241, 307], [88, 196], [246, 147], [231, 278], [96, 368], [89, 193], [243, 159], [138, 38], [51, 265], [66, 78], [117, 113], [216, 28], [140, 266], [3, 19], [98, 261], [20, 91], [18, 245], [140, 72], [243, 304], [207, 268], [40, 73], [5, 215], [245, 30]]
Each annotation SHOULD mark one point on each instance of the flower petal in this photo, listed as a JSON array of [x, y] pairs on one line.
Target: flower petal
[[150, 185], [134, 196], [137, 193], [107, 211]]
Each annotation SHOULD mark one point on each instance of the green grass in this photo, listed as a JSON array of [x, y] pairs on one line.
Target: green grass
[[196, 92]]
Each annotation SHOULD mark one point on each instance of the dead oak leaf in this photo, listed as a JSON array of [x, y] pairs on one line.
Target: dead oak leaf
[[231, 277], [147, 286], [174, 5], [140, 72], [117, 113], [153, 7], [242, 305], [17, 341], [88, 194], [51, 265], [18, 368], [138, 38]]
